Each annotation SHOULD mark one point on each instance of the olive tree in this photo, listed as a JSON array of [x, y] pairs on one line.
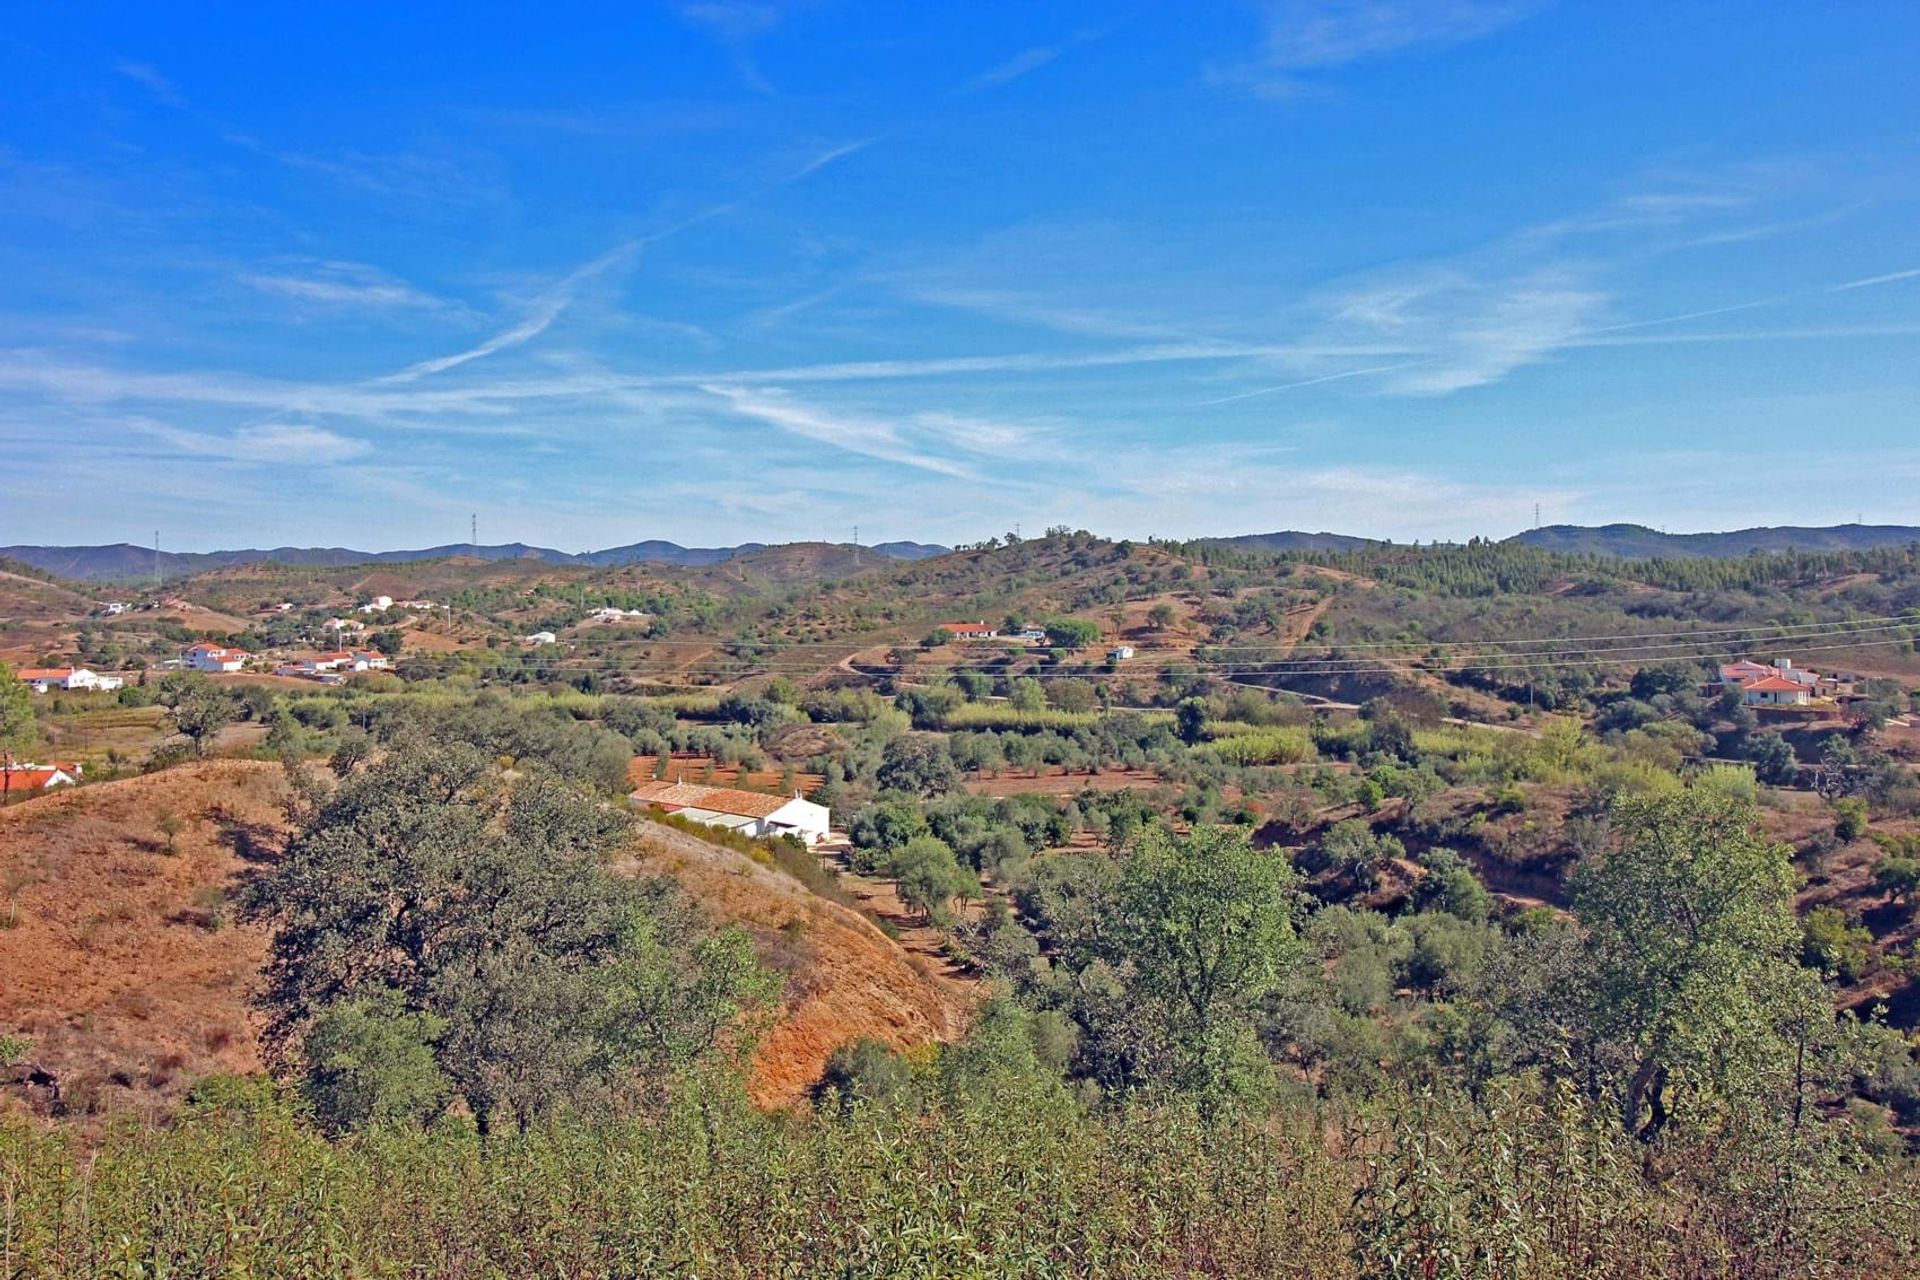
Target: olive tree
[[1203, 929], [1694, 989], [197, 708], [432, 883]]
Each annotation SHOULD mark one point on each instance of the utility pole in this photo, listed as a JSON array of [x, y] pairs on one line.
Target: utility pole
[[856, 546], [1536, 515], [156, 559], [473, 535]]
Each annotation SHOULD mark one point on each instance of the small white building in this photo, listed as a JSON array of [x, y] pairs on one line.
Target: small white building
[[342, 624], [337, 660], [542, 637], [41, 679], [968, 630], [215, 658], [379, 604], [747, 812], [1120, 653], [1775, 691], [113, 608]]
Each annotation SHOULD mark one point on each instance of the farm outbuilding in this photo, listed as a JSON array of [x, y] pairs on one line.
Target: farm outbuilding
[[748, 812]]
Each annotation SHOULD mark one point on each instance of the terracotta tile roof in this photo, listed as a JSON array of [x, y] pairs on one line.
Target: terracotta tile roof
[[30, 674], [28, 779], [1775, 684], [745, 804]]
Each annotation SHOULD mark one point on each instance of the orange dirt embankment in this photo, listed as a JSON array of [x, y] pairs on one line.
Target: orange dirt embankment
[[119, 961], [845, 978], [123, 967]]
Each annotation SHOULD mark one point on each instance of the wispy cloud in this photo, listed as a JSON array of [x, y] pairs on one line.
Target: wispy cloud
[[539, 318], [152, 81], [344, 284], [281, 444], [1304, 38], [1314, 35], [1889, 278], [1027, 308], [870, 437], [1314, 382], [423, 180], [1476, 328], [1099, 279], [736, 24], [551, 303], [1026, 62]]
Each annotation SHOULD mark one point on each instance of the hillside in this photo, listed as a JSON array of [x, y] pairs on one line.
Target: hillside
[[1634, 541], [125, 969], [846, 978]]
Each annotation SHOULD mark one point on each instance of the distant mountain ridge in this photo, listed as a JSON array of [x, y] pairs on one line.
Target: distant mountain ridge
[[1636, 541], [1292, 540], [123, 561]]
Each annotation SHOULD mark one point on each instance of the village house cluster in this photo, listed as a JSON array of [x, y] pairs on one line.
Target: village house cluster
[[331, 668]]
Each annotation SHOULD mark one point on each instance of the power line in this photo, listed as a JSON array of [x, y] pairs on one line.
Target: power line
[[1784, 628], [779, 657], [747, 668]]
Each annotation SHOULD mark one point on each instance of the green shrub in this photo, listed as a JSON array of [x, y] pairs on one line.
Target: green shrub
[[1286, 744]]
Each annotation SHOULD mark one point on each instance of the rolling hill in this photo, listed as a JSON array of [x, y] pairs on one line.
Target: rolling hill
[[130, 970], [1636, 541], [1290, 540]]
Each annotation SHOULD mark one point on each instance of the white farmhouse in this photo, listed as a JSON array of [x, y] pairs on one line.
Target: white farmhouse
[[214, 657], [41, 679], [542, 637], [1775, 691], [379, 604], [747, 812]]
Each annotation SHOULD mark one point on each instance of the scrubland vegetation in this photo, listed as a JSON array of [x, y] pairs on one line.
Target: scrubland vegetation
[[1551, 968]]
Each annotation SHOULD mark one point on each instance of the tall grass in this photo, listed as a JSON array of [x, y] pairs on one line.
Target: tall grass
[[1014, 1182], [997, 715], [1262, 744]]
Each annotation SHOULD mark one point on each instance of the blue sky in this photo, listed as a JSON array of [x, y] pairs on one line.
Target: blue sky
[[730, 269]]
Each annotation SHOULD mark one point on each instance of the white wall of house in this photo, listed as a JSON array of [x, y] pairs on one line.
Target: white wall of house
[[215, 659], [801, 818]]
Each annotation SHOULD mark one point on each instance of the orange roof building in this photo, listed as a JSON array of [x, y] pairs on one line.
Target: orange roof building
[[747, 812]]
